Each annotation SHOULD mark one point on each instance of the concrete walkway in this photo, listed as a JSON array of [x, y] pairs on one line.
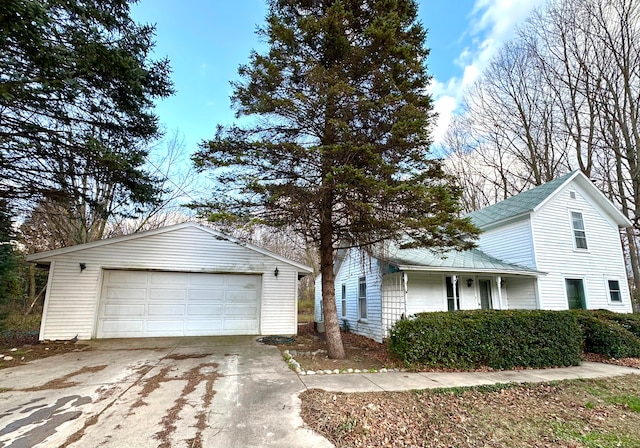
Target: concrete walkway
[[399, 381]]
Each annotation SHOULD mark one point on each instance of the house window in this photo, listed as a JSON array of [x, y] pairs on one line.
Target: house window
[[362, 298], [579, 235], [614, 291], [453, 300], [343, 299]]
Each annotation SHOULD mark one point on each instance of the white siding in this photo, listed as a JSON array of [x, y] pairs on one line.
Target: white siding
[[317, 308], [512, 243], [425, 293], [72, 300], [555, 252], [354, 266], [519, 293]]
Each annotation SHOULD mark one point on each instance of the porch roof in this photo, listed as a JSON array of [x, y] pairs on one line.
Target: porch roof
[[473, 260]]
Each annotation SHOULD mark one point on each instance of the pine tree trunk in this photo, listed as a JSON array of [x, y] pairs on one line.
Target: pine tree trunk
[[335, 349]]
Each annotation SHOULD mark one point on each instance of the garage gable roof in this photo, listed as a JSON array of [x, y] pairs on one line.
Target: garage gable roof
[[46, 256]]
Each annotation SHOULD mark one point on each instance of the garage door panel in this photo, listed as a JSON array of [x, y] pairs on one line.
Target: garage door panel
[[166, 310], [208, 281], [236, 326], [205, 310], [124, 309], [120, 326], [207, 294], [147, 304], [128, 277], [169, 278], [237, 309], [205, 325], [243, 282], [127, 293], [167, 294], [240, 296], [169, 326]]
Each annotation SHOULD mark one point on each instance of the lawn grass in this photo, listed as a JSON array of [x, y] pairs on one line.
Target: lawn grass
[[577, 413]]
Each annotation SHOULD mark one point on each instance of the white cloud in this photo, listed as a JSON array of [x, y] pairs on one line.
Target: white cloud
[[491, 23]]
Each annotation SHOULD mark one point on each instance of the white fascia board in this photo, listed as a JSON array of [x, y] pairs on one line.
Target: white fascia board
[[595, 193], [469, 270], [46, 256]]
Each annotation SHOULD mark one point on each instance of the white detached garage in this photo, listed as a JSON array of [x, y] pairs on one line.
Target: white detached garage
[[182, 280]]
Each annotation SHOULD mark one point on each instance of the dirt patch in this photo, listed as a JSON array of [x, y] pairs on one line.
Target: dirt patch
[[63, 382], [22, 350], [310, 350], [603, 413]]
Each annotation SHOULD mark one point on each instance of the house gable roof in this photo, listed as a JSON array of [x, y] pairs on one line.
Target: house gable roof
[[48, 255], [473, 260], [531, 200]]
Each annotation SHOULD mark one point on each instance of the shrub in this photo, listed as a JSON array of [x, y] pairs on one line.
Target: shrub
[[498, 339], [610, 334]]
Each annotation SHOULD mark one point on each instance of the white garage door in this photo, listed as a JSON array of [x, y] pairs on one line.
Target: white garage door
[[148, 304]]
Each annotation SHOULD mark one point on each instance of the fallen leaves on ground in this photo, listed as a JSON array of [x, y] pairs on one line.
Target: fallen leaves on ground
[[564, 414]]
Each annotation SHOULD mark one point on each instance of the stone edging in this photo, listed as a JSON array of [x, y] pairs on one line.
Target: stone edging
[[295, 366]]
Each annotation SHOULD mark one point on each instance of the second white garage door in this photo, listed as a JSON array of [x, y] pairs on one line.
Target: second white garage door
[[150, 304]]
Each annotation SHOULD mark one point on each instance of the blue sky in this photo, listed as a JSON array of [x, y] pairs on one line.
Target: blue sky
[[206, 41]]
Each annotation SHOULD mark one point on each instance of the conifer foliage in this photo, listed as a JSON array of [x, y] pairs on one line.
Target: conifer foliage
[[335, 136], [77, 89]]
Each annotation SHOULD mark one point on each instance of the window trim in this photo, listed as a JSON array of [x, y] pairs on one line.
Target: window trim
[[343, 300], [574, 231], [609, 291], [362, 298]]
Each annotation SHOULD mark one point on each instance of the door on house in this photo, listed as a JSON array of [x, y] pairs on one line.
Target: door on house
[[485, 294], [575, 293]]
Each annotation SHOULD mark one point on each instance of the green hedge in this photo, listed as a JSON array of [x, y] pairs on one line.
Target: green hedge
[[498, 339], [610, 334], [630, 322]]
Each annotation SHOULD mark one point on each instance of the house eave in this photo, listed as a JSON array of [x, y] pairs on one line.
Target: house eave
[[46, 257], [470, 270]]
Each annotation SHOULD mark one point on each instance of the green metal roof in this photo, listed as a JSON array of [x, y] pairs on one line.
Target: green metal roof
[[519, 204], [473, 260]]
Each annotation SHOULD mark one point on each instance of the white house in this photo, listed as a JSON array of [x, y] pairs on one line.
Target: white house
[[182, 280], [555, 247]]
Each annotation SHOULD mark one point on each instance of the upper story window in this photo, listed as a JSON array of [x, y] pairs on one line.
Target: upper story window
[[362, 298], [579, 235]]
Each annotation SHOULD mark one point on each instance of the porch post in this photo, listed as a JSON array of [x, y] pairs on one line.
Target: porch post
[[454, 282], [499, 282], [405, 282]]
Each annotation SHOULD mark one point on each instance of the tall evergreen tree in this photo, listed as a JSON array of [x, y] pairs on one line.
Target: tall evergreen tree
[[338, 147], [77, 87], [7, 256]]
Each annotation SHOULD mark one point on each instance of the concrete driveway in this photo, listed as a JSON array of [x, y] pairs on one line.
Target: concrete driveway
[[164, 392]]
